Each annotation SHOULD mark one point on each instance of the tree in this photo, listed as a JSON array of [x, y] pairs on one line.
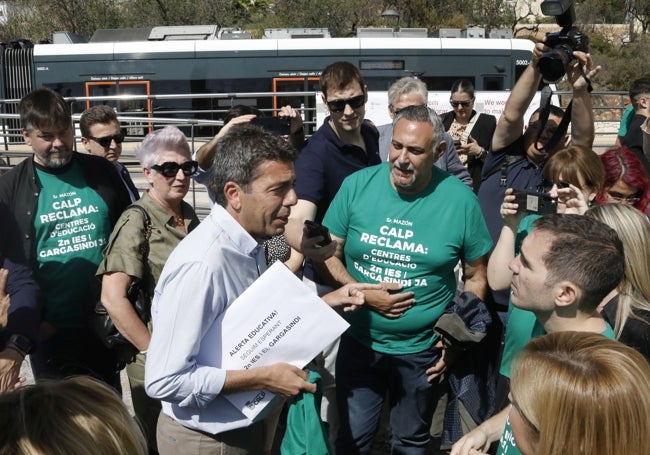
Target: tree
[[341, 17], [38, 19]]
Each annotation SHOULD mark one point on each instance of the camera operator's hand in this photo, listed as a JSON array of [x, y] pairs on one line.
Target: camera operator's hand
[[539, 50], [574, 73]]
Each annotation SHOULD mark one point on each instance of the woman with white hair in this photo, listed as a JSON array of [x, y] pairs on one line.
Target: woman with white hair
[[167, 166]]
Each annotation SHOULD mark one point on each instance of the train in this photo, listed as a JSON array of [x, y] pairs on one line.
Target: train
[[238, 68]]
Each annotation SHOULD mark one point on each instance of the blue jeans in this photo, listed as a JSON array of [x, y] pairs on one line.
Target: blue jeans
[[364, 378]]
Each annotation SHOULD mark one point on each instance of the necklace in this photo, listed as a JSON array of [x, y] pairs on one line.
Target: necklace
[[178, 220]]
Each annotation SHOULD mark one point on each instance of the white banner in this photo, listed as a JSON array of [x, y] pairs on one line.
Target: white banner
[[277, 319]]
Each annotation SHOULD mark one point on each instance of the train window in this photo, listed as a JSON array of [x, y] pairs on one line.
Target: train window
[[444, 83], [493, 83], [295, 84], [131, 107], [101, 89]]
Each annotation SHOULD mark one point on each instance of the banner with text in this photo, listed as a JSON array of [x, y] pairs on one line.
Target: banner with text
[[277, 319]]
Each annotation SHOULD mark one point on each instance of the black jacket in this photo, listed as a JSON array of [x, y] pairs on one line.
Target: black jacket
[[482, 132], [19, 190]]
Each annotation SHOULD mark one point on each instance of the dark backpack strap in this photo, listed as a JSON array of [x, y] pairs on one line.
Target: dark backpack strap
[[508, 160]]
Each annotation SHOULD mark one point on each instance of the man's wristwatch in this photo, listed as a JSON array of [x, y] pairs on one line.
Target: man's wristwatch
[[20, 343]]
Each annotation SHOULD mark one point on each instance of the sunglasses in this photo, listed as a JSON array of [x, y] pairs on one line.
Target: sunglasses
[[548, 184], [355, 102], [170, 169], [460, 103], [106, 140]]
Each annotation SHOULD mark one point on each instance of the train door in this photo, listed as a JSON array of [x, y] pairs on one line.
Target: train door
[[305, 104], [137, 105]]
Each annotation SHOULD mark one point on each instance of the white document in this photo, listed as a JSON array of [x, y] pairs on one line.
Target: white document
[[277, 319]]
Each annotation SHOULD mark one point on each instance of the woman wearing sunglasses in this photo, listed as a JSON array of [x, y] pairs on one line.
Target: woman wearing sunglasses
[[167, 167], [472, 132]]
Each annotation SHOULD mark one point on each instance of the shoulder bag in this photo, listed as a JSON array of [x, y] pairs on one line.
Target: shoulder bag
[[138, 295]]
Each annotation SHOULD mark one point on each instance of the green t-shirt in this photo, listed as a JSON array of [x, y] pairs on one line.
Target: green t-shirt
[[415, 240], [71, 227], [626, 119]]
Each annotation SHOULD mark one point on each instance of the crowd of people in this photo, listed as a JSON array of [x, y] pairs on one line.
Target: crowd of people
[[494, 275]]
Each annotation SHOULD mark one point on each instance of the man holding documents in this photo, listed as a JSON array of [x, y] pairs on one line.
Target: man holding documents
[[408, 223], [210, 268]]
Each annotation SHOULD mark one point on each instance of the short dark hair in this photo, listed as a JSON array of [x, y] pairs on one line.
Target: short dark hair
[[102, 114], [339, 75], [639, 87], [43, 107], [584, 251], [241, 152], [240, 109]]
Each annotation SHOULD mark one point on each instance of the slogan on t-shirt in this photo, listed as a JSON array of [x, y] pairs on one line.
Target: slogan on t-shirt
[[396, 266], [73, 229]]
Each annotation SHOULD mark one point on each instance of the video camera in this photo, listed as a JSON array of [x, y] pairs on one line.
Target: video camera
[[562, 43]]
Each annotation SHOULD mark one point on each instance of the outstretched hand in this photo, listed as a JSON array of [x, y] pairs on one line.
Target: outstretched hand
[[349, 297]]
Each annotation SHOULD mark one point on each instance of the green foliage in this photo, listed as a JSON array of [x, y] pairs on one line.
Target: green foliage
[[622, 66], [341, 17], [38, 19]]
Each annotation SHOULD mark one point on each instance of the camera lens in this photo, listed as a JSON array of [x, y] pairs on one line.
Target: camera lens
[[552, 64]]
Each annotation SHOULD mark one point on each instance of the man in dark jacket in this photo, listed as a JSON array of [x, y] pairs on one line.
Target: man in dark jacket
[[65, 205]]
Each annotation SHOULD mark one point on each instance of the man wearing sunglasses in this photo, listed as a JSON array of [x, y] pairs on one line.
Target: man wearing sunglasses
[[345, 143], [65, 204], [102, 136]]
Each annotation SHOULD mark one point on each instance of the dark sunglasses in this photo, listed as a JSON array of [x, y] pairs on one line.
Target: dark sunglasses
[[106, 140], [548, 184], [339, 105], [460, 103], [170, 169]]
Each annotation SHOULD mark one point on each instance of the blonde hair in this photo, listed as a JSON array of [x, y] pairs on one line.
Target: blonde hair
[[584, 394], [633, 228], [76, 416]]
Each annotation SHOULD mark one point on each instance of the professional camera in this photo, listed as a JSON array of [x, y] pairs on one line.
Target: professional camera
[[562, 43]]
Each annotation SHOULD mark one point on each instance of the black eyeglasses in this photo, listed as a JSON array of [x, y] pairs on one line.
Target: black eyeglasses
[[170, 169], [106, 140], [460, 103], [339, 105], [623, 199], [548, 184]]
